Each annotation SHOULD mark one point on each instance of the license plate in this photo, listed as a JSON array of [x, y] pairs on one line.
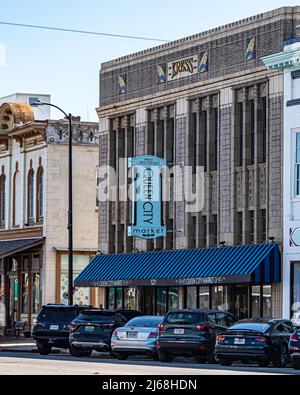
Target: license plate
[[90, 329], [240, 341], [132, 335], [54, 327], [178, 331]]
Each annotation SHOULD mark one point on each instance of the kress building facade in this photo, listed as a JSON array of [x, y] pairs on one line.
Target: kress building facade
[[209, 101]]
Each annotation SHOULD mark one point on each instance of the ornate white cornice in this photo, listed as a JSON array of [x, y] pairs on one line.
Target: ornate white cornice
[[283, 60]]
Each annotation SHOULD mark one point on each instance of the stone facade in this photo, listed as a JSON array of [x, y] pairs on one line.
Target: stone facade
[[235, 107]]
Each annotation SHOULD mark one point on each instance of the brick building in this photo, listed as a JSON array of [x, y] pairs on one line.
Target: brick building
[[34, 206], [206, 100]]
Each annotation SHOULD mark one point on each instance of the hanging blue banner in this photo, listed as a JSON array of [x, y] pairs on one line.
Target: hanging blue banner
[[147, 222]]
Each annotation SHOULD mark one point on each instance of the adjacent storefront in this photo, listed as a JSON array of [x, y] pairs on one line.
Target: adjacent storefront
[[235, 279]]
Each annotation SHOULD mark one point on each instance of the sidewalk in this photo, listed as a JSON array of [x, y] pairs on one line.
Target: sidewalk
[[11, 344]]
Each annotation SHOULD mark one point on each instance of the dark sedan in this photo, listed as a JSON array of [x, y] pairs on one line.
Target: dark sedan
[[295, 349], [255, 341]]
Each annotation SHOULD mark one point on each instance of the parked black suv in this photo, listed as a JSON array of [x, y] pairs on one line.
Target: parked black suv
[[108, 319], [191, 333], [84, 338], [52, 326]]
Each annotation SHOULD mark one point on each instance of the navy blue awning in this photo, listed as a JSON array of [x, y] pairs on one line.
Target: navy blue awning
[[257, 264]]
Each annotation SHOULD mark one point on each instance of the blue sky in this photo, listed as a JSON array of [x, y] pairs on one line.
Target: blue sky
[[67, 65]]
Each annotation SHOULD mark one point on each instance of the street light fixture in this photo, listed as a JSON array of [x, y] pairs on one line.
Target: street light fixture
[[70, 211]]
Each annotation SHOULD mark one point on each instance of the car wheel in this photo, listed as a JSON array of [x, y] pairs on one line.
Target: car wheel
[[80, 353], [43, 349], [155, 357], [211, 360], [263, 364], [282, 357], [165, 357], [225, 362], [121, 356]]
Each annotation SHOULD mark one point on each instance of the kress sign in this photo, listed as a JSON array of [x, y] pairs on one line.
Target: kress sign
[[146, 197], [183, 68]]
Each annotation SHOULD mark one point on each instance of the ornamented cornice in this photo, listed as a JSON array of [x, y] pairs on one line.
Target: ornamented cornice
[[283, 60]]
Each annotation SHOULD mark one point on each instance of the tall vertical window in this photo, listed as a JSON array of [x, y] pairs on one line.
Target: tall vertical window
[[2, 199], [16, 197], [252, 131], [194, 142], [297, 170], [40, 194], [216, 136], [264, 128], [30, 196], [204, 136], [241, 132], [251, 226]]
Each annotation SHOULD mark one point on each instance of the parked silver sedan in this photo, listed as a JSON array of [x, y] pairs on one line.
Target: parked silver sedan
[[137, 337]]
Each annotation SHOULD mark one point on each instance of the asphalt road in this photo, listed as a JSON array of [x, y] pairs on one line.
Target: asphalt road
[[33, 364]]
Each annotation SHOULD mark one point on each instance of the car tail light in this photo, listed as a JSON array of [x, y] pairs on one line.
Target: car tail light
[[161, 327], [115, 334], [294, 338], [220, 339], [72, 327], [261, 340], [203, 328], [152, 335]]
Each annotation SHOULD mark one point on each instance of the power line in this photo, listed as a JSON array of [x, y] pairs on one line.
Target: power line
[[83, 32]]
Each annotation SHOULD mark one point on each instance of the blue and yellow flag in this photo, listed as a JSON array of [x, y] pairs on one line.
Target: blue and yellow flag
[[203, 64], [161, 72], [250, 53], [122, 85]]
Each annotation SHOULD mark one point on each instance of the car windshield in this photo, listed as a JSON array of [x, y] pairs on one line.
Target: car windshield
[[97, 316], [184, 318], [57, 315], [248, 326], [145, 322]]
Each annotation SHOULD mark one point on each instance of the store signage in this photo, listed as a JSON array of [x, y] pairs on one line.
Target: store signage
[[183, 68], [146, 197]]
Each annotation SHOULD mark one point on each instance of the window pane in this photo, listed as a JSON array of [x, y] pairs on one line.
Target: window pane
[[119, 298], [255, 300], [111, 298], [173, 298], [204, 297], [36, 293], [131, 299], [241, 302], [161, 301], [191, 298], [267, 301], [25, 293], [296, 301], [149, 301]]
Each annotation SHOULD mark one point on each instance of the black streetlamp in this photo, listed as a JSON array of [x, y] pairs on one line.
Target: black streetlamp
[[70, 211]]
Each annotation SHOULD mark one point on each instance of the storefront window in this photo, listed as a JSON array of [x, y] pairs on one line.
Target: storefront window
[[111, 298], [149, 301], [296, 288], [267, 301], [173, 298], [119, 298], [82, 296], [204, 297], [2, 304], [161, 297], [218, 299], [132, 299], [255, 301], [191, 295], [242, 302], [36, 297], [25, 295]]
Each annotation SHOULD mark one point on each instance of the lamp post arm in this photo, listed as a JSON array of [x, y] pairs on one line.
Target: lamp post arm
[[53, 105]]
